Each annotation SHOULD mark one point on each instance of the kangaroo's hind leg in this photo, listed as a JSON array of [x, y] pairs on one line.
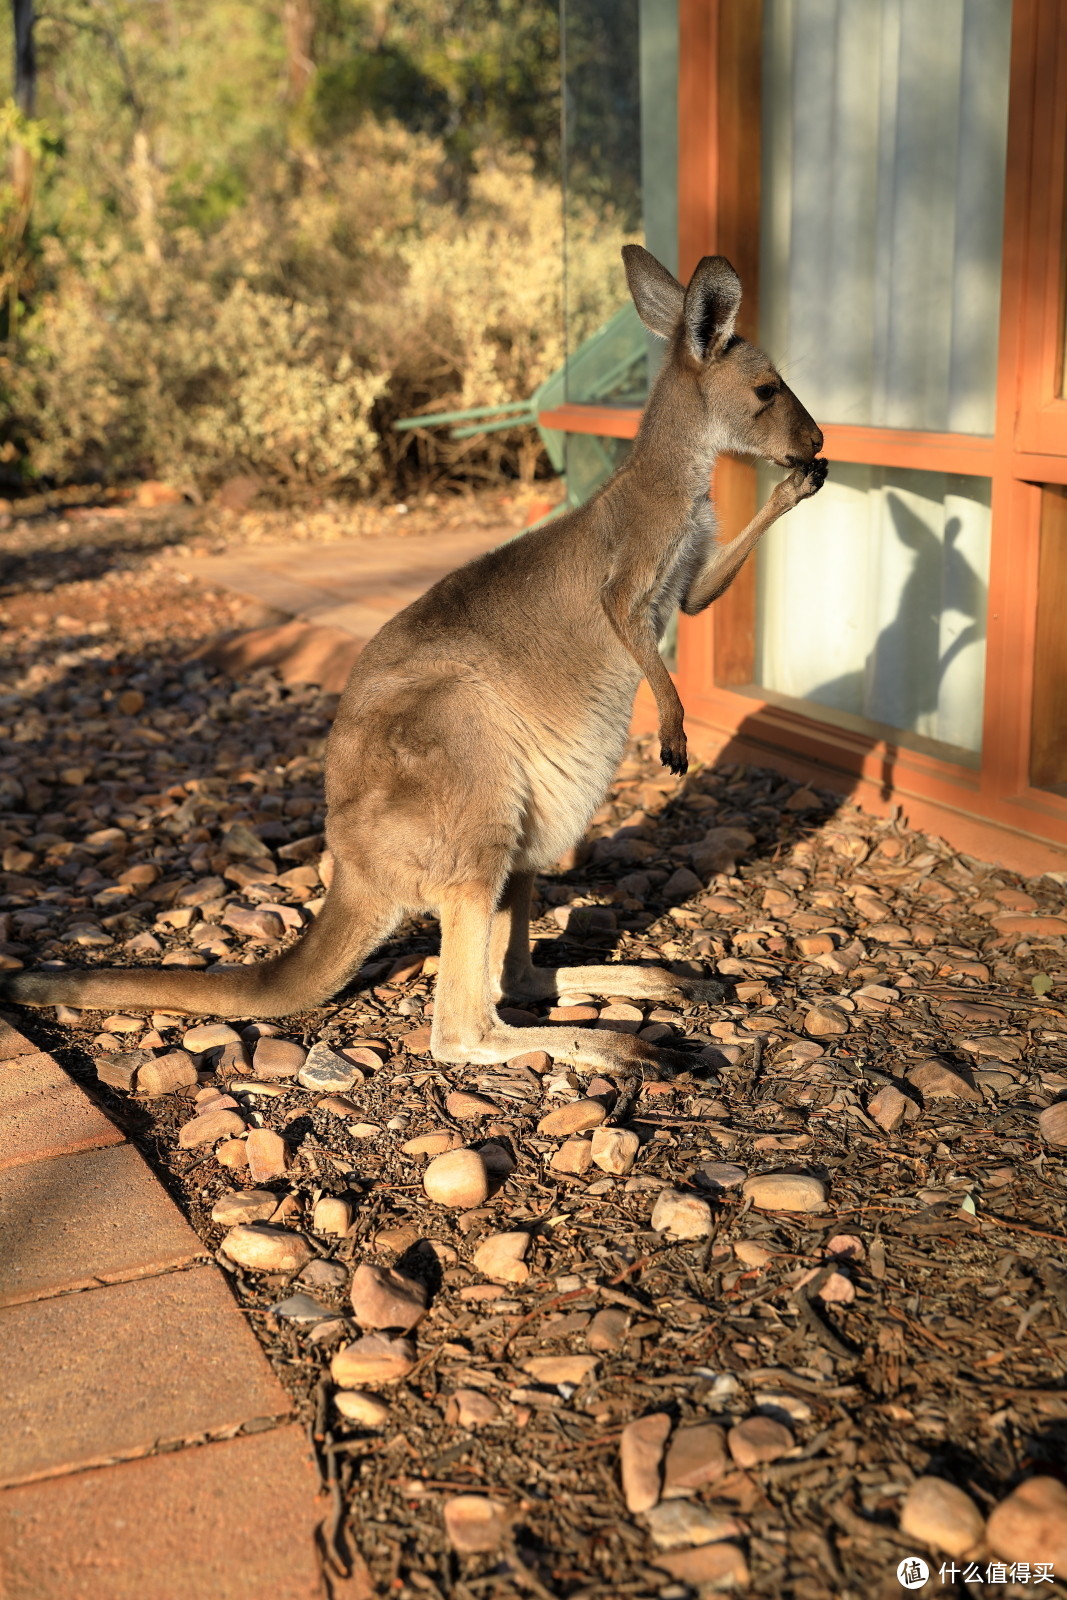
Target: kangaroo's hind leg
[[516, 978], [466, 1027]]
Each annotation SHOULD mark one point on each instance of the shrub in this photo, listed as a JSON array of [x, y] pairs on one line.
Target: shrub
[[286, 342]]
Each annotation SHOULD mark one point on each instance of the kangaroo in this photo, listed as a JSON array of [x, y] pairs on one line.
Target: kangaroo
[[482, 726]]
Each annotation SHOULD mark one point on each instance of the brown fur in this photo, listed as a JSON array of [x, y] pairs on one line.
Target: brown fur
[[481, 727]]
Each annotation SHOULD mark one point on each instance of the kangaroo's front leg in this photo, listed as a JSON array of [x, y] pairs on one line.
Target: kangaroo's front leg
[[726, 560], [631, 621]]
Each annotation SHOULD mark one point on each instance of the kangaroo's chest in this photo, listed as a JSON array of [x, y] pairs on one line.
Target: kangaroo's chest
[[683, 560]]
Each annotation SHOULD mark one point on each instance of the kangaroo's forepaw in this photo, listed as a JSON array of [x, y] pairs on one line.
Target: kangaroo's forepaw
[[673, 754]]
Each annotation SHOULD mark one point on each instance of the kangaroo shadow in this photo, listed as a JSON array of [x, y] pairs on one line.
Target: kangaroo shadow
[[881, 705]]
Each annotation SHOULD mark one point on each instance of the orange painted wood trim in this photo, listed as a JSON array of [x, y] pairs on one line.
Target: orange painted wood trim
[[698, 132], [909, 448], [1039, 469], [610, 422], [1042, 286]]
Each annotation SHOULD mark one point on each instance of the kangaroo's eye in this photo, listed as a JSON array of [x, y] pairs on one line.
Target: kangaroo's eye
[[765, 392]]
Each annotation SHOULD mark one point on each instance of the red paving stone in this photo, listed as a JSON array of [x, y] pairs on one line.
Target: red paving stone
[[44, 1113], [113, 1372], [76, 1221], [230, 1521]]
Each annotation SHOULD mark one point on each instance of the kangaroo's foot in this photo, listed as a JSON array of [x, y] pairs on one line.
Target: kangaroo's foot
[[634, 983], [595, 1049]]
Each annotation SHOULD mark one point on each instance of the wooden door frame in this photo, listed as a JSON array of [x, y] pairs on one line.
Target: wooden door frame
[[990, 809]]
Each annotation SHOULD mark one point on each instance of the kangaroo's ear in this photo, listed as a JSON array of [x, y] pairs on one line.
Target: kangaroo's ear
[[658, 295], [712, 301]]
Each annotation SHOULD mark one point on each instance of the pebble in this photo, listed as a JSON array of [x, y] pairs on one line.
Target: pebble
[[119, 1069], [501, 1257], [889, 1108], [1052, 1123], [497, 1160], [268, 1154], [457, 1178], [640, 1456], [560, 1369], [577, 1117], [123, 1024], [372, 1359], [432, 1144], [357, 1406], [468, 1107], [475, 1523], [614, 1149], [942, 1516], [163, 1074], [325, 1070], [265, 1248], [752, 1253], [278, 1058], [709, 1568], [697, 1456], [720, 1175], [785, 1191], [244, 1205], [385, 1299], [208, 1036], [682, 1216], [320, 1274], [1031, 1524], [607, 1331], [825, 1021], [687, 1522], [936, 1080], [209, 1128], [332, 1215], [758, 1440], [301, 1308], [232, 1153], [682, 885], [573, 1156], [470, 1408]]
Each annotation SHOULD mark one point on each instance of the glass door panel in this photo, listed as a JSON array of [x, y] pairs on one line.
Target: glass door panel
[[883, 198], [872, 601]]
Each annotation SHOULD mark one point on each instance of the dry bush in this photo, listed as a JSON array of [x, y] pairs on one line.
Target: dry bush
[[286, 343]]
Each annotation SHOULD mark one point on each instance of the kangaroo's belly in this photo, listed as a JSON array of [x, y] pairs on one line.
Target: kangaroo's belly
[[567, 766]]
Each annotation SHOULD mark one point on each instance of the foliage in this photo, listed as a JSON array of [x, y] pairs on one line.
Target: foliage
[[234, 266], [285, 341]]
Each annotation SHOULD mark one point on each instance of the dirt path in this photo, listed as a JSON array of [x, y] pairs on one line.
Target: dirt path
[[914, 1325]]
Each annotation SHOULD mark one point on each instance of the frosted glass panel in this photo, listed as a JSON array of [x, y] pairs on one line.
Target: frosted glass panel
[[872, 600], [884, 137]]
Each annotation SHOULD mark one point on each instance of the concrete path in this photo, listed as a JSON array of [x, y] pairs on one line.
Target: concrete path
[[146, 1448], [338, 594]]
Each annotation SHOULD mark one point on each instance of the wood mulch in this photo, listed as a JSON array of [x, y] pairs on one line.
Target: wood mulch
[[853, 950]]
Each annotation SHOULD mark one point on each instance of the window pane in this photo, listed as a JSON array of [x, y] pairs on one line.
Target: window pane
[[884, 138], [872, 600], [620, 159]]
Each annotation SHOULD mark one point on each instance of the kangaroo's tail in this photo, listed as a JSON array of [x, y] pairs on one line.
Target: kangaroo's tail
[[352, 923]]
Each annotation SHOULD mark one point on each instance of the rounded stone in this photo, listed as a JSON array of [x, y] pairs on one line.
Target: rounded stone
[[1031, 1524], [501, 1257], [475, 1523], [577, 1117], [372, 1359], [758, 1440], [941, 1515], [683, 1216], [356, 1406], [785, 1191], [244, 1205], [1052, 1123], [263, 1248], [457, 1178]]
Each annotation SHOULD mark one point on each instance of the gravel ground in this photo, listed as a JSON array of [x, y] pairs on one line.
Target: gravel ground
[[784, 1382]]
